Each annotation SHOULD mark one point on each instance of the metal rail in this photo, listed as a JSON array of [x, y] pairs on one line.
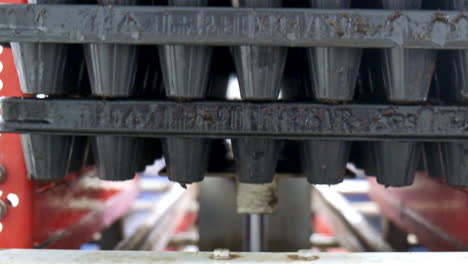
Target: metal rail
[[155, 232], [103, 257], [234, 26], [352, 230], [234, 119]]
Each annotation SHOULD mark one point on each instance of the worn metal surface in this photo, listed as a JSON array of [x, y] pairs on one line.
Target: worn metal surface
[[91, 257], [435, 212], [224, 119], [229, 26]]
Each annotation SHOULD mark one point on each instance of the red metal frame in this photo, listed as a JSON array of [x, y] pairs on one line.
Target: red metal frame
[[17, 225], [62, 214], [69, 214], [435, 212]]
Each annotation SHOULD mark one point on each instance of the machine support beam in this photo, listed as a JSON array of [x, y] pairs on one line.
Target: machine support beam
[[140, 257]]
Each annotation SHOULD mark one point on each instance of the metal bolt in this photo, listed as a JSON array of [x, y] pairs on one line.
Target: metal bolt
[[307, 254], [221, 254], [3, 173], [3, 209]]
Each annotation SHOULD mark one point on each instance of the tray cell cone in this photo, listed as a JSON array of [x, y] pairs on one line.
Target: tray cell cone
[[42, 69], [46, 156], [396, 162], [186, 159], [334, 70], [185, 70], [260, 72], [256, 159], [407, 72], [324, 162], [117, 157], [259, 69], [459, 60], [112, 73], [449, 161]]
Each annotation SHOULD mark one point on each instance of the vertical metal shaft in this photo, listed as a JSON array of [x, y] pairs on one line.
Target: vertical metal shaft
[[255, 232]]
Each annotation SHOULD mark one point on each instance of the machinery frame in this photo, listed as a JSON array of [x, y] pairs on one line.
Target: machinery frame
[[218, 27]]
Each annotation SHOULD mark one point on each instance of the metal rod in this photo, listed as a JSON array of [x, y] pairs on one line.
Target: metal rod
[[233, 26], [256, 232]]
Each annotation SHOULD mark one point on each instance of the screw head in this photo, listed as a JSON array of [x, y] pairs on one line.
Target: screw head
[[3, 209], [3, 173], [221, 254], [306, 254]]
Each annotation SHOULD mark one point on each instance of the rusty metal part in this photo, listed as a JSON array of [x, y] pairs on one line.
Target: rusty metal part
[[205, 26], [234, 119]]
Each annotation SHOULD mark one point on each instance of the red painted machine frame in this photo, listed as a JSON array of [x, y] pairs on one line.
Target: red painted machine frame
[[56, 214], [432, 210]]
